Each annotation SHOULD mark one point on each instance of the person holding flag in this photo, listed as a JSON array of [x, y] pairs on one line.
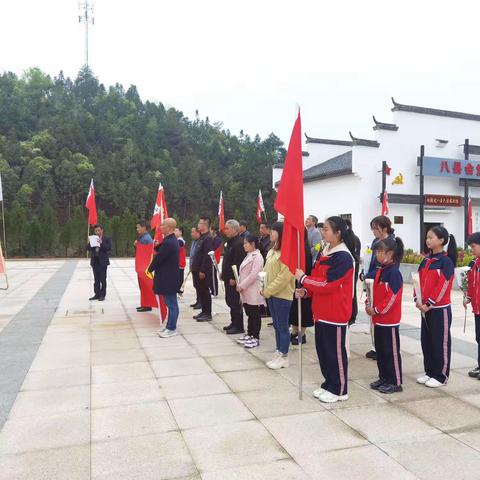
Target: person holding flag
[[143, 257]]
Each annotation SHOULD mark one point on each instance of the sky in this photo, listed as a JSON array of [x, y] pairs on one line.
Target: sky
[[251, 64]]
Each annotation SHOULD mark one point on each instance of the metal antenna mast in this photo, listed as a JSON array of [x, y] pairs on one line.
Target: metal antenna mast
[[86, 16]]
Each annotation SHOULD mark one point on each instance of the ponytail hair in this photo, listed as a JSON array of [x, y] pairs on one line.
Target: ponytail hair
[[382, 222], [442, 234], [394, 245], [338, 224]]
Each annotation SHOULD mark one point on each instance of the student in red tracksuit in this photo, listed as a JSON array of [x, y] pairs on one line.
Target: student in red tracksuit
[[331, 287], [386, 313], [436, 279], [473, 294]]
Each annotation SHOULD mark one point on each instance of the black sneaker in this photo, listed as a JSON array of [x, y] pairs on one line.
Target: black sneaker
[[474, 373], [198, 315], [234, 331], [195, 305], [228, 327], [204, 318], [270, 324], [93, 298], [101, 299], [387, 388], [144, 309], [371, 354], [377, 383], [294, 340]]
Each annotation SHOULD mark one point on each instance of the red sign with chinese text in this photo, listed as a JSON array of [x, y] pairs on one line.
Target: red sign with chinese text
[[443, 200]]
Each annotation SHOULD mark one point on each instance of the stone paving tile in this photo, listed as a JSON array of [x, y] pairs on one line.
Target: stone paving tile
[[231, 445], [361, 463], [125, 393], [71, 463], [116, 357], [312, 432], [230, 363], [121, 373], [68, 377], [279, 470], [180, 366], [145, 457], [209, 410], [166, 352], [258, 379], [370, 421], [193, 385], [438, 457], [51, 401], [132, 420], [45, 432]]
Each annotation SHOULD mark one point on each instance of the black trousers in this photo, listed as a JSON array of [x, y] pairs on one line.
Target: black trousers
[[181, 277], [477, 335], [203, 292], [254, 320], [232, 298], [100, 280], [214, 284], [389, 360], [437, 343], [332, 355], [195, 286]]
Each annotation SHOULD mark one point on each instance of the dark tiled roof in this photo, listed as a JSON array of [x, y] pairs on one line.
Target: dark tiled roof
[[363, 143], [434, 111], [326, 141], [384, 126], [340, 165], [473, 149]]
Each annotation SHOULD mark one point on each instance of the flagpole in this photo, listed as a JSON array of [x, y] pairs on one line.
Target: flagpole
[[299, 333], [4, 231]]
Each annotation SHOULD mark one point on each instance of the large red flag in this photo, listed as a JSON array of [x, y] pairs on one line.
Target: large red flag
[[221, 213], [470, 217], [159, 213], [260, 207], [385, 209], [91, 206], [289, 203]]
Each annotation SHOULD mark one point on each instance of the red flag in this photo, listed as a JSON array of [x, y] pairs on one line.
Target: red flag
[[470, 217], [221, 213], [385, 209], [289, 203], [387, 169], [91, 206], [2, 261], [159, 213], [260, 207]]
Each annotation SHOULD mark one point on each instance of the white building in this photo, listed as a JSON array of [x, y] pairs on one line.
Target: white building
[[345, 177]]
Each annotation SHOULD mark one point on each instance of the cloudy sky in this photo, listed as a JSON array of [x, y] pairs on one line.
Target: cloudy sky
[[249, 63]]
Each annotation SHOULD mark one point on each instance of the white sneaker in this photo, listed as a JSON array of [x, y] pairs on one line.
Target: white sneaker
[[243, 339], [318, 392], [423, 380], [252, 342], [275, 355], [329, 397], [280, 362], [433, 383]]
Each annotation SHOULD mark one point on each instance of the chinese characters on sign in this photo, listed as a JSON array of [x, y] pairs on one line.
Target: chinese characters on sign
[[443, 200], [448, 167]]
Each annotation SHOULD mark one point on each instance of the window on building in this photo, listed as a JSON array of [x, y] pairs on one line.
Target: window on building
[[398, 220]]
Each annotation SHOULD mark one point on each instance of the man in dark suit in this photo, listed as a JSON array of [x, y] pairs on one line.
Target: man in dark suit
[[202, 269], [233, 254], [165, 281], [265, 241], [99, 261]]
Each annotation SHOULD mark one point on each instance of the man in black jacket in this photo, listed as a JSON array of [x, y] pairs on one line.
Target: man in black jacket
[[165, 282], [201, 268], [233, 254], [265, 241], [99, 262]]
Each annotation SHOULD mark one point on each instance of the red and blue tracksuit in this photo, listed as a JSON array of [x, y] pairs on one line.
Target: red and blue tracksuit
[[436, 279], [331, 287], [387, 305], [473, 294]]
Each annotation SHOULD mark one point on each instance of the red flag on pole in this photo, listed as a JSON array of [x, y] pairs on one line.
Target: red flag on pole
[[289, 203], [385, 209], [221, 213], [160, 213], [260, 207], [91, 206], [2, 261], [470, 217]]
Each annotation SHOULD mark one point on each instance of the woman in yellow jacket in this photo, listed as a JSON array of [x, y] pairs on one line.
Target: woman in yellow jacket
[[278, 290]]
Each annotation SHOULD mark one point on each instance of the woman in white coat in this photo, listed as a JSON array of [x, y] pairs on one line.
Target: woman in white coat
[[249, 290]]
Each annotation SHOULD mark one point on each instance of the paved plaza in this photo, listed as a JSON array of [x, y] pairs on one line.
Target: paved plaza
[[88, 390]]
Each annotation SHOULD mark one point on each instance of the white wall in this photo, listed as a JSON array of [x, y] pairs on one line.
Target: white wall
[[319, 152]]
